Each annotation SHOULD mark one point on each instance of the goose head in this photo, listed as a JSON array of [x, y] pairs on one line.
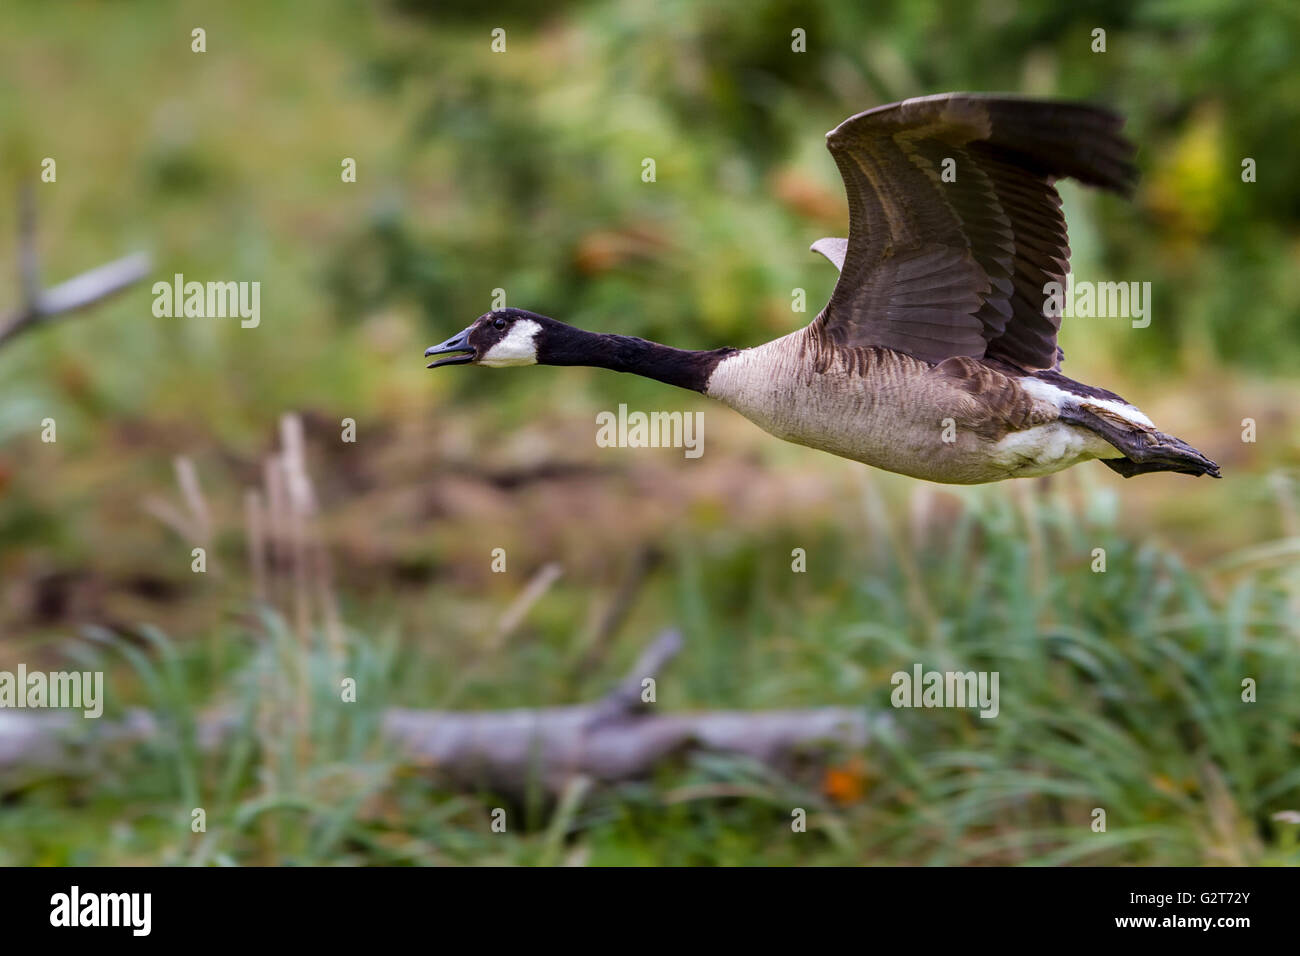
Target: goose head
[[501, 338], [506, 337]]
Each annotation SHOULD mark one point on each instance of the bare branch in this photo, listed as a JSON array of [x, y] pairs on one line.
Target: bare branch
[[89, 287], [626, 697], [29, 263], [43, 306]]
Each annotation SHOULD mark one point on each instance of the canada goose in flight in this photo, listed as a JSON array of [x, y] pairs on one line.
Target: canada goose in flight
[[934, 357]]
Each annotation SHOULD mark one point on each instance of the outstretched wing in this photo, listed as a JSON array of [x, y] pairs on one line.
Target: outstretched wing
[[955, 225]]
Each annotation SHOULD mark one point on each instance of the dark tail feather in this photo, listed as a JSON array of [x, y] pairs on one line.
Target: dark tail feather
[[1156, 451], [1145, 450]]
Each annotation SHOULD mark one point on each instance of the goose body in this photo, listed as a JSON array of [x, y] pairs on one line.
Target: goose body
[[936, 356], [887, 409]]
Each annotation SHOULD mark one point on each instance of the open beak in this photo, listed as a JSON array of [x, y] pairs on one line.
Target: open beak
[[458, 343]]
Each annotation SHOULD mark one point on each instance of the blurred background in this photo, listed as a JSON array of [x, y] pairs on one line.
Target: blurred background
[[521, 170]]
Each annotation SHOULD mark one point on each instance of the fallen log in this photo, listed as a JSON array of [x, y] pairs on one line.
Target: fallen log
[[615, 738]]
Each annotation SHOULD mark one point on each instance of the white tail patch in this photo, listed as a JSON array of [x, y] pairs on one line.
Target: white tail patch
[[1060, 398]]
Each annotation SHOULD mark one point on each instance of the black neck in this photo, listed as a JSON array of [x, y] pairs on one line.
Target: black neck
[[622, 353]]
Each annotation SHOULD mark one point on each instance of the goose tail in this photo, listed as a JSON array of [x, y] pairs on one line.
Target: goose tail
[[1150, 451], [1142, 448]]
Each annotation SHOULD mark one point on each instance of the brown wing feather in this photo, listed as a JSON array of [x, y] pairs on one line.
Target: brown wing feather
[[939, 269]]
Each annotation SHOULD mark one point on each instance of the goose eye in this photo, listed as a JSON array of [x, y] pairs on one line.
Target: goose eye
[[498, 324]]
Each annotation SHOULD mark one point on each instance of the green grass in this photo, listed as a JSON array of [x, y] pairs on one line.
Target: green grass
[[1120, 690]]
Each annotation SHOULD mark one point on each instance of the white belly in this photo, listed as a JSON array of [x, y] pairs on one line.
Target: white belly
[[1044, 449]]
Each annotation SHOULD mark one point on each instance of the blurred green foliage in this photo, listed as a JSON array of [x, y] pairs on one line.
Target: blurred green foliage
[[1119, 690], [539, 152]]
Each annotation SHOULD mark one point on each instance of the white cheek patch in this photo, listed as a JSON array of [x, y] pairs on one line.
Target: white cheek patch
[[519, 347]]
